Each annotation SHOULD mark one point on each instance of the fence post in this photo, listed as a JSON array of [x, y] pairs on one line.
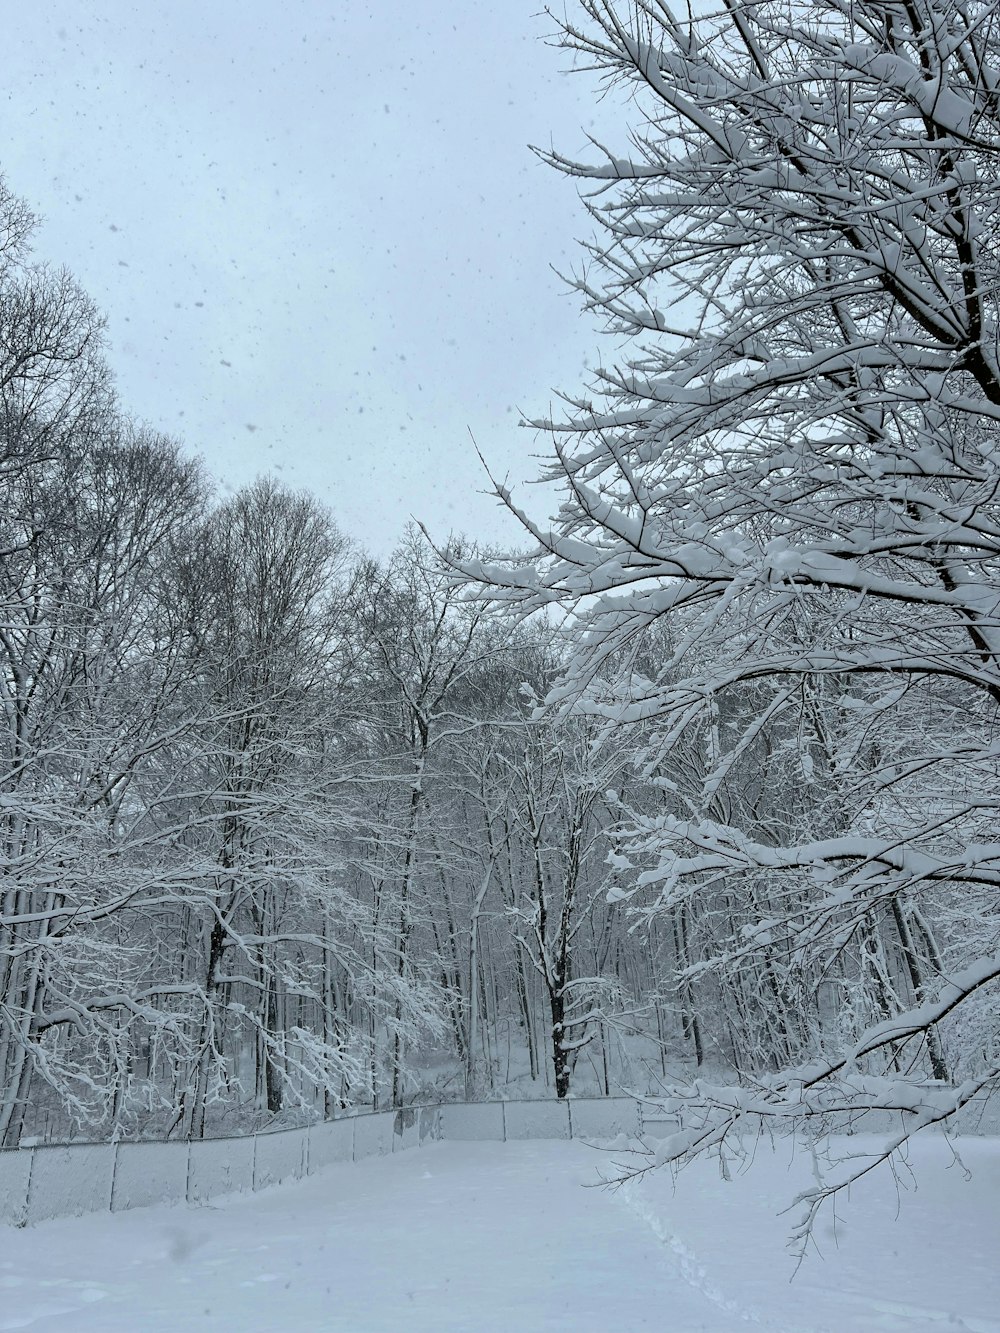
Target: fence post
[[114, 1178], [27, 1187], [187, 1173], [21, 1220]]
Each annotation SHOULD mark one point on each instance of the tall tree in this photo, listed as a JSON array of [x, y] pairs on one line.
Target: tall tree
[[427, 651], [92, 685], [795, 467], [262, 584]]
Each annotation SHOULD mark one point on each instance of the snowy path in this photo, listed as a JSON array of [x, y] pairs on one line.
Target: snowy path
[[501, 1238]]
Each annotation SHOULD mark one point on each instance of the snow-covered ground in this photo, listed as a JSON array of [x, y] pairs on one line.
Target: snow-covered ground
[[504, 1238]]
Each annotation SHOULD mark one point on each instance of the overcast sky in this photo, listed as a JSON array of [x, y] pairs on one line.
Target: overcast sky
[[322, 243]]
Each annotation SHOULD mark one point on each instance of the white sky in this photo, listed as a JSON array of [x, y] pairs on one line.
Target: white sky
[[321, 241]]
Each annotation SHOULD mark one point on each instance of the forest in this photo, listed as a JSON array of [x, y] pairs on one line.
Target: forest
[[695, 795], [282, 833]]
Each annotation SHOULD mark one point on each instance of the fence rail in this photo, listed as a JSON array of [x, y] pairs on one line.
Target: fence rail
[[67, 1180]]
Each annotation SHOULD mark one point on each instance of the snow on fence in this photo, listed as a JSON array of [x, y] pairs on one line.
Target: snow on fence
[[67, 1180]]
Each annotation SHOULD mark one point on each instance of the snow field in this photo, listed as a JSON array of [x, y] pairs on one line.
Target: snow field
[[506, 1238], [917, 1251]]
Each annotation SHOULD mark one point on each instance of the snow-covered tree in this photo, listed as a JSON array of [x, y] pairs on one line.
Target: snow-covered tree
[[427, 654], [276, 835], [792, 476], [92, 691]]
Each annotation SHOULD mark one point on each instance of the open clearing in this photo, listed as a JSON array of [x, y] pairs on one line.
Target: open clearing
[[504, 1238]]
